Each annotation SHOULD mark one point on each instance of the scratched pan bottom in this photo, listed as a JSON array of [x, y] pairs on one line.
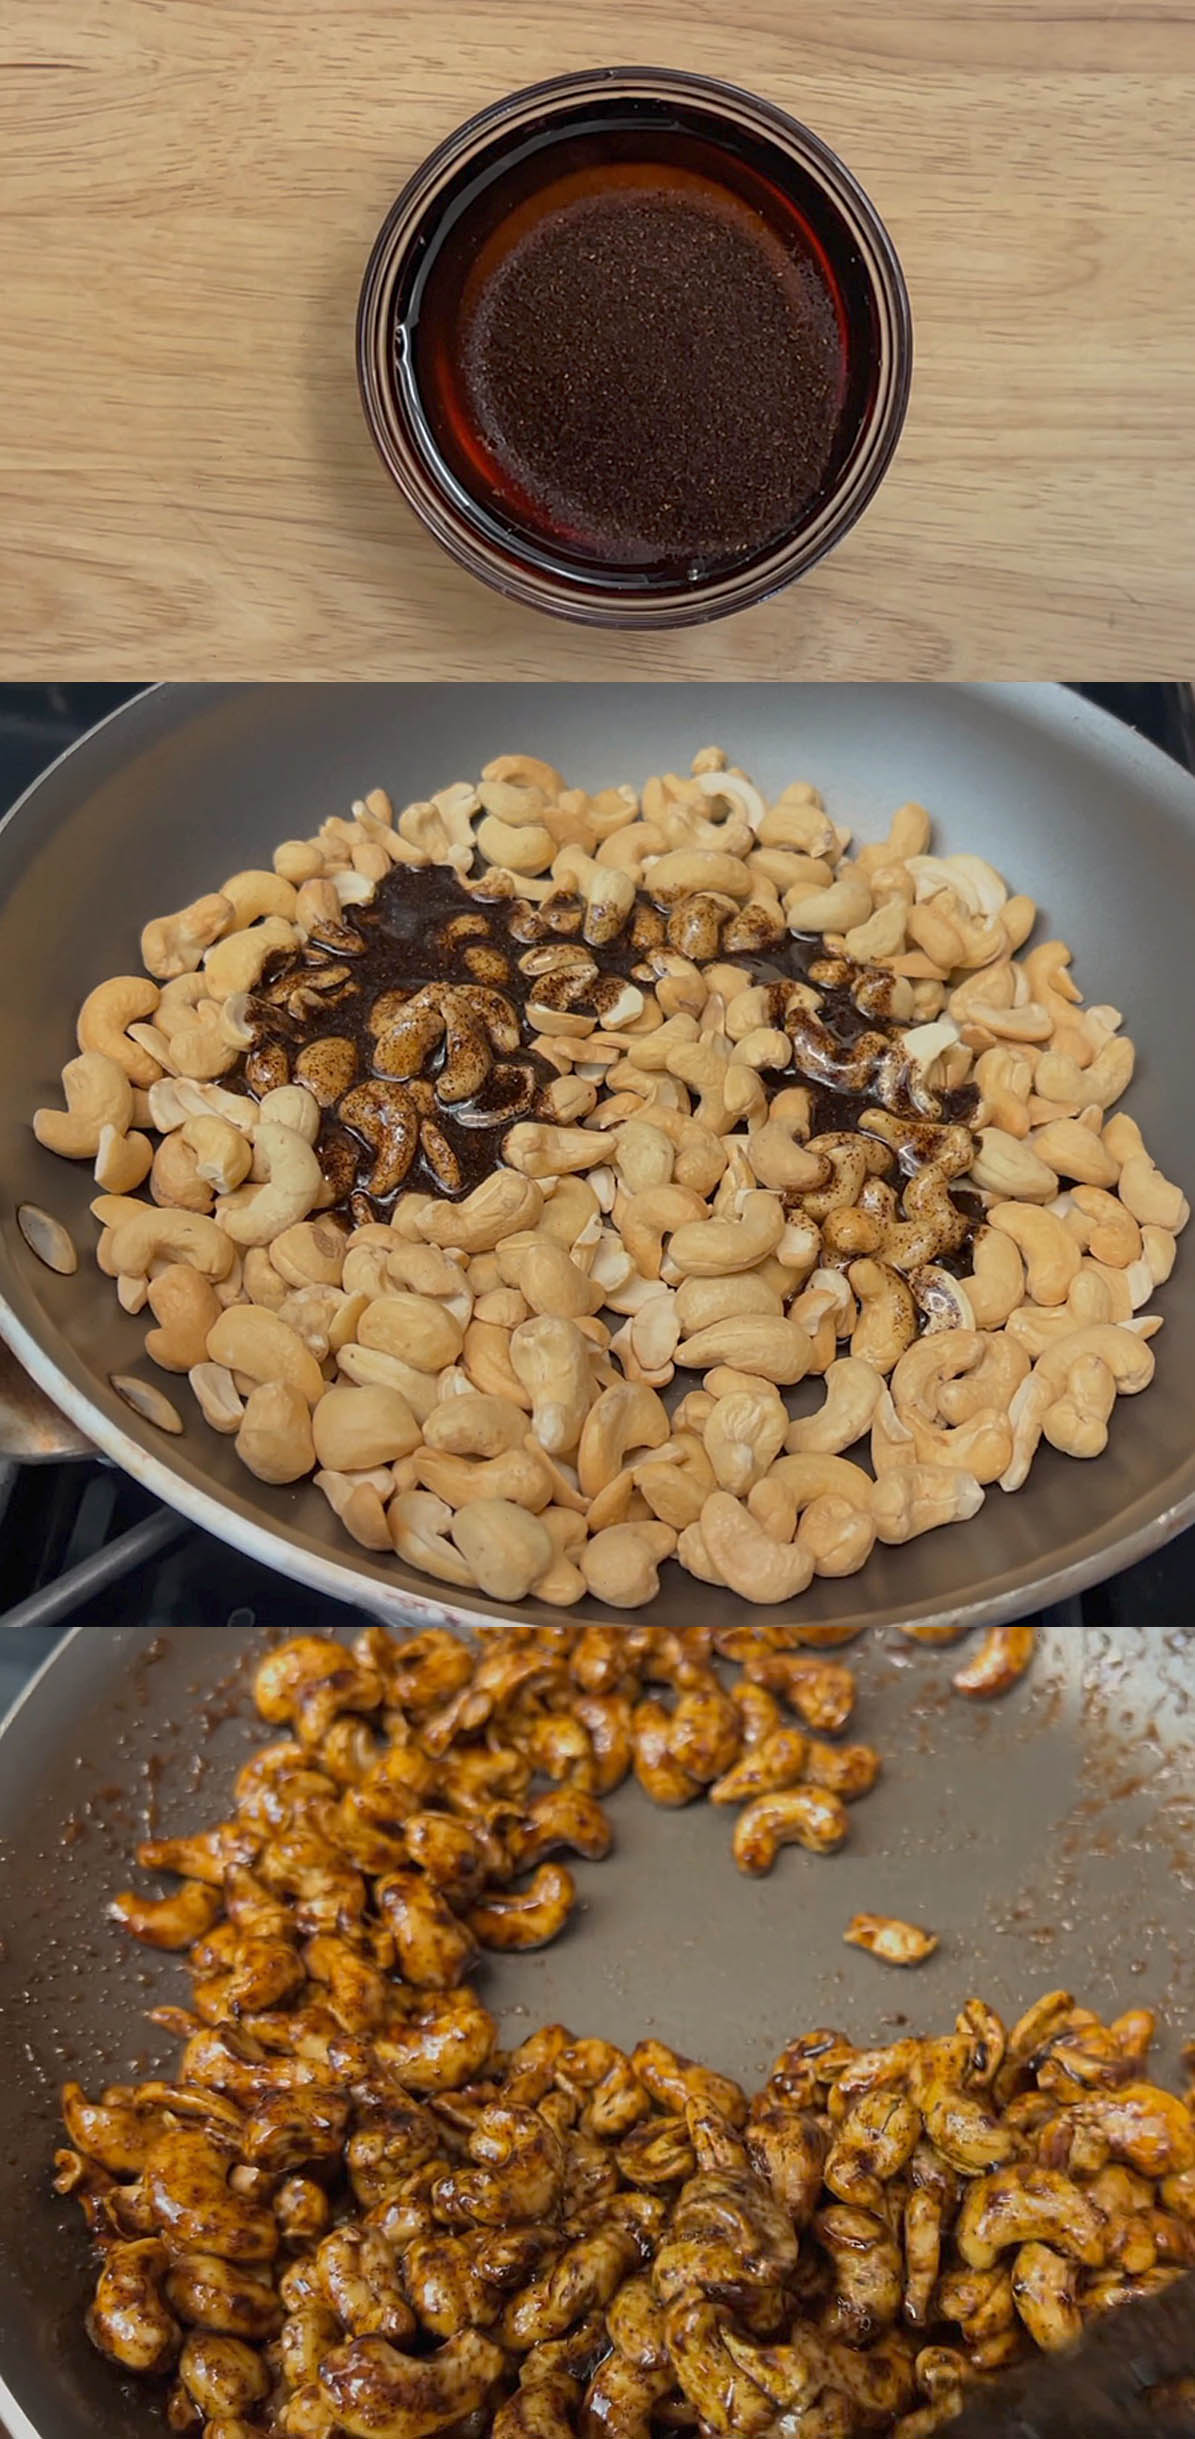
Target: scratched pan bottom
[[1049, 1839]]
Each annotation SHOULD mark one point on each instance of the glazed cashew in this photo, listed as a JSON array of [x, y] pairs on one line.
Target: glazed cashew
[[377, 2393]]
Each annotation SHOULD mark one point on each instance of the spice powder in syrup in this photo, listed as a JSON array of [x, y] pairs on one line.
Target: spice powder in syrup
[[654, 371]]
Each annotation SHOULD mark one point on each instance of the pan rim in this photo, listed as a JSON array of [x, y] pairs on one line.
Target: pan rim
[[353, 1582]]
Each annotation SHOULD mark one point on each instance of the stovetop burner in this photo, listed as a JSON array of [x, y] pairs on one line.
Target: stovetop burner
[[82, 1545]]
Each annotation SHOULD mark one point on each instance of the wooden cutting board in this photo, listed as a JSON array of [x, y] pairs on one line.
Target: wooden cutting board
[[189, 189]]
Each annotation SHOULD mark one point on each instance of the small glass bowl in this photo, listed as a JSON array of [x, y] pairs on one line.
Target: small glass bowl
[[524, 135]]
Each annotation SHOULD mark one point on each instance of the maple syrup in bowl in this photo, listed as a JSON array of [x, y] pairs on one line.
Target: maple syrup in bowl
[[635, 346]]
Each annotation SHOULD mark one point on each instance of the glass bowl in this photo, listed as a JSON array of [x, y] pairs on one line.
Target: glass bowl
[[492, 169]]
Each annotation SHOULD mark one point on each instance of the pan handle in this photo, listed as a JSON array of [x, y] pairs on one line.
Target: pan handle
[[32, 1431]]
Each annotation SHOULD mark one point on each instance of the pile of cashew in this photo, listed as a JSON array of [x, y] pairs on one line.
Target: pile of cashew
[[478, 1384], [350, 2214]]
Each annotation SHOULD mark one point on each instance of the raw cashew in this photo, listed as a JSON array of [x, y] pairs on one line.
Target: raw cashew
[[185, 1308], [744, 1433], [104, 1020], [887, 1322], [150, 1235], [755, 1566], [551, 1151], [174, 944], [505, 1549], [236, 962], [475, 1425], [1150, 1196], [621, 1564], [274, 1439], [1051, 1253], [357, 1427], [626, 1416], [545, 1275], [419, 1524], [713, 1248], [98, 1096], [852, 1392], [650, 1216], [293, 1178], [913, 1499], [778, 1350], [250, 1340], [1005, 1165], [553, 1361], [223, 1155], [419, 1330]]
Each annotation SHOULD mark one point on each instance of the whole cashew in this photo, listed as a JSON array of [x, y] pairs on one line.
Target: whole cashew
[[913, 1499], [104, 1019], [128, 2320], [98, 1095], [982, 1445], [250, 1340], [621, 1564], [713, 1248], [852, 1392], [1051, 1253], [887, 1322], [505, 1548], [174, 944], [744, 1433], [254, 1215], [150, 1235], [626, 1416], [651, 1215], [377, 2393], [778, 1349], [274, 1437], [356, 1427], [553, 1360], [185, 1307], [745, 1555]]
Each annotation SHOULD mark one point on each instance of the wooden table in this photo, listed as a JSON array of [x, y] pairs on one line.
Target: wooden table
[[188, 192]]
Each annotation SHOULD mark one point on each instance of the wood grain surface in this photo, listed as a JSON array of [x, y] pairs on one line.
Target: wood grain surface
[[188, 191]]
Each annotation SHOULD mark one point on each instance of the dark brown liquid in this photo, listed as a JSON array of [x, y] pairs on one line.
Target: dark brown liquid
[[654, 373], [425, 927], [631, 345]]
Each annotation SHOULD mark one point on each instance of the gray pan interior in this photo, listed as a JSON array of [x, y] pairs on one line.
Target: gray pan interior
[[189, 783], [1046, 1838]]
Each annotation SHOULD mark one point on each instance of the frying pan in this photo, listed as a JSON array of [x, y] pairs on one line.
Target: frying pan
[[1046, 1838], [188, 783]]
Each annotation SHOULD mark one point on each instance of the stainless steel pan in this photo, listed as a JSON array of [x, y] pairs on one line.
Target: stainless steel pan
[[190, 782], [1046, 1838]]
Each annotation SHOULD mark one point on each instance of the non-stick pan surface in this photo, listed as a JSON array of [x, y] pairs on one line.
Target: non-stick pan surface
[[188, 783], [1047, 1838]]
